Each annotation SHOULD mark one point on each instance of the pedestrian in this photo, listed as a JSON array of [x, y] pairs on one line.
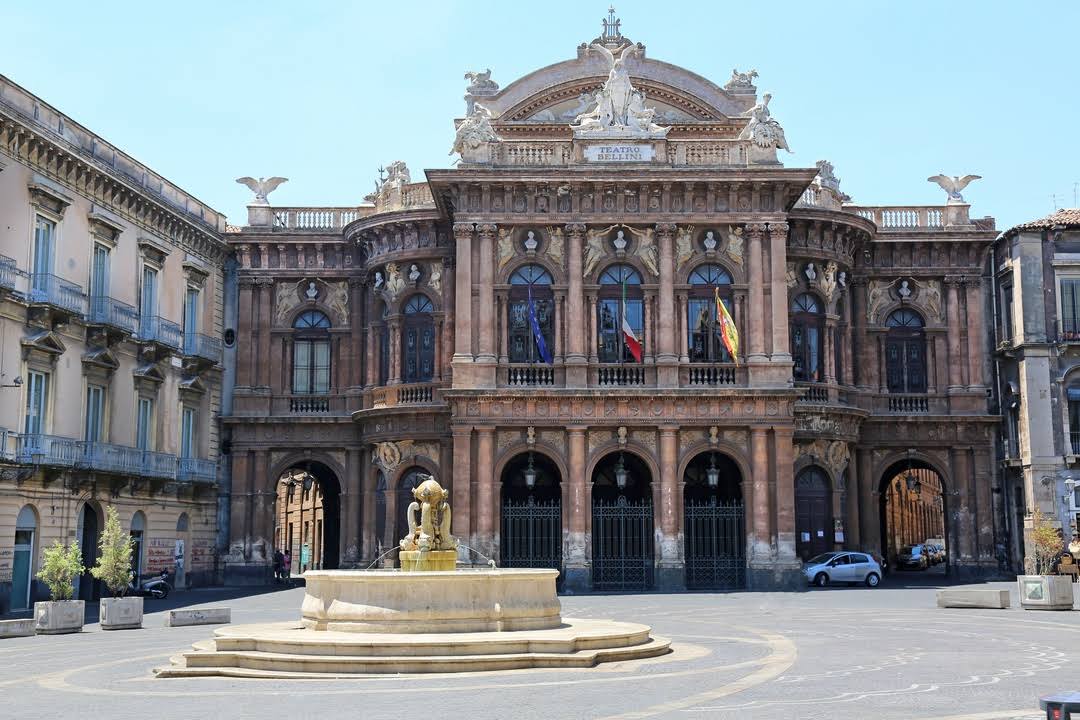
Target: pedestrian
[[279, 566], [287, 567]]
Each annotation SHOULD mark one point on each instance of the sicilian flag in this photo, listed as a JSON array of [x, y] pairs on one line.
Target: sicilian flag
[[540, 344], [631, 340], [726, 324]]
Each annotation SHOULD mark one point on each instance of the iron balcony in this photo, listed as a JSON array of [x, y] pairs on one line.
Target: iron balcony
[[202, 346], [48, 450], [197, 470], [156, 329], [8, 272], [48, 289], [158, 465], [113, 313]]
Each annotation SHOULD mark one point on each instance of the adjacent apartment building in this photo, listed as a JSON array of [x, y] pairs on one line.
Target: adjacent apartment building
[[111, 296]]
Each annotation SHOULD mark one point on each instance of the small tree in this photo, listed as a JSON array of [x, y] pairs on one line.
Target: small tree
[[114, 563], [61, 565], [1046, 544]]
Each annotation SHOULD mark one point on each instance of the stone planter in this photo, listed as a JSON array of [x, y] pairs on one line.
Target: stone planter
[[123, 613], [59, 616], [1045, 592]]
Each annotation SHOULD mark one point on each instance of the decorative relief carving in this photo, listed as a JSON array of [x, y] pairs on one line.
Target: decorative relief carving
[[598, 438], [337, 299], [735, 244], [387, 455], [647, 251], [593, 252], [828, 281], [555, 245], [646, 438], [287, 299], [792, 275], [435, 277], [506, 247], [684, 245], [506, 438], [931, 299], [395, 281], [877, 295], [554, 438], [738, 438], [832, 453]]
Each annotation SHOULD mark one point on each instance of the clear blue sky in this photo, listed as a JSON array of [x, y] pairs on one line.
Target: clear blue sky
[[323, 93]]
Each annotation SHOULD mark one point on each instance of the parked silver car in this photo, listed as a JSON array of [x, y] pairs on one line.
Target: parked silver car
[[842, 566]]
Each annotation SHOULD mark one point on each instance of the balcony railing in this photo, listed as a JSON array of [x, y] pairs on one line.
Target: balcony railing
[[50, 450], [159, 465], [910, 404], [620, 375], [902, 218], [156, 329], [309, 404], [411, 394], [8, 272], [47, 289], [814, 393], [197, 470], [530, 375], [1074, 437], [8, 449], [712, 375], [113, 313], [106, 457], [1069, 329], [202, 346], [300, 404]]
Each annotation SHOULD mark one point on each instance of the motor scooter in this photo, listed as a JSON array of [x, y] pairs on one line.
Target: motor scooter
[[155, 586]]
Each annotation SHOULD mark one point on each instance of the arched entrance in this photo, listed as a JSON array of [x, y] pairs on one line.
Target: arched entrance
[[622, 524], [22, 570], [913, 511], [404, 496], [88, 532], [813, 513], [531, 532], [138, 539], [715, 523], [308, 517]]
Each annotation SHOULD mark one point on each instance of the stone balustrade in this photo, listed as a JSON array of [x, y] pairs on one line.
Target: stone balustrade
[[908, 217], [310, 219]]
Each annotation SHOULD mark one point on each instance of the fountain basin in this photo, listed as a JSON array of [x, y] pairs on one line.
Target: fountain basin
[[389, 601]]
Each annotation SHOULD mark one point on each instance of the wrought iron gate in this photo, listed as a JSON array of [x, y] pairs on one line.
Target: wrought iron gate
[[531, 534], [715, 545], [622, 541]]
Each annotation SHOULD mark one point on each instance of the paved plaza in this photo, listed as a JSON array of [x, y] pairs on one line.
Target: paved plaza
[[832, 653]]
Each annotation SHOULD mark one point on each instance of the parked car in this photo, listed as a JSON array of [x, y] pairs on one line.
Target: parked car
[[913, 557], [842, 566], [938, 554]]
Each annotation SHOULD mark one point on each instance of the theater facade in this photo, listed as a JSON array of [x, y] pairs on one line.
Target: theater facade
[[538, 326]]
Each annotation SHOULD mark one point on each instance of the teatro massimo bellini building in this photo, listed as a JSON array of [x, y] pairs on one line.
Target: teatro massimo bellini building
[[481, 326]]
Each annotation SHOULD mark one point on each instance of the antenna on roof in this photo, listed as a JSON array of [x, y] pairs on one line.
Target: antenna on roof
[[1054, 201]]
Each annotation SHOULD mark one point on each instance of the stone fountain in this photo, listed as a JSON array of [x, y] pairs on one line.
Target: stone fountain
[[429, 616]]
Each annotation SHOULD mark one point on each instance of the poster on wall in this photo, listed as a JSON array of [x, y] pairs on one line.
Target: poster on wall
[[159, 554]]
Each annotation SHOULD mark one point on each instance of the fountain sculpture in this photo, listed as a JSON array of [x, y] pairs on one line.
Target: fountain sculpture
[[429, 616]]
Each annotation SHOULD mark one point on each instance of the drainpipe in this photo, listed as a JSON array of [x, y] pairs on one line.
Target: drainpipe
[[230, 311]]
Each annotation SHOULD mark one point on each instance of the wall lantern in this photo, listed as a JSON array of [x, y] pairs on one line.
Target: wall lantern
[[622, 475], [530, 473], [712, 474]]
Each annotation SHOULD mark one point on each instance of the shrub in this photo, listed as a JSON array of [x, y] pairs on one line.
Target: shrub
[[62, 564], [1046, 544], [114, 563]]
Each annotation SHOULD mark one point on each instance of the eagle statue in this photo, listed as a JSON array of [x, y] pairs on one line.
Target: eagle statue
[[261, 187], [953, 185]]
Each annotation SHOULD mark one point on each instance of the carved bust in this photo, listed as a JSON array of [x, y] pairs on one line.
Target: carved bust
[[414, 273], [378, 280], [530, 241], [620, 241], [710, 241]]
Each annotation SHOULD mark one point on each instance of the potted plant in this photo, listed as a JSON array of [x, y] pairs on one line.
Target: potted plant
[[60, 566], [114, 570], [1042, 590]]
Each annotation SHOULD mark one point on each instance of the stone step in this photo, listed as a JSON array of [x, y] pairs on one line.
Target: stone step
[[285, 665]]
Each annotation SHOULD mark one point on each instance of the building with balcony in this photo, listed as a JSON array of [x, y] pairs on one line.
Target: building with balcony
[[1037, 354], [540, 327], [111, 306]]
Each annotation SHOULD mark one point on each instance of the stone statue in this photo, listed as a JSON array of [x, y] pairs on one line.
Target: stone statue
[[876, 296], [791, 276], [480, 83], [827, 176], [710, 241], [504, 247], [619, 109], [810, 272], [684, 245], [620, 241], [649, 253], [530, 241], [379, 280], [261, 187], [555, 245], [741, 79], [953, 185], [395, 283], [594, 250], [431, 530], [905, 290], [763, 130], [414, 274], [312, 292], [435, 277], [843, 279], [735, 244], [931, 298], [828, 280], [475, 130]]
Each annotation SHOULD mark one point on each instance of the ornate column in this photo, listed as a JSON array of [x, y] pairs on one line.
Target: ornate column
[[266, 292], [560, 342], [485, 491], [785, 495], [756, 320], [761, 550], [869, 521], [861, 369], [463, 236], [372, 345], [503, 335], [245, 314], [357, 312], [671, 575], [486, 336], [437, 375], [683, 323], [649, 350], [461, 487], [575, 551], [883, 374], [828, 352], [778, 258], [848, 374], [394, 336], [956, 359], [367, 504], [349, 521], [590, 324], [853, 537], [667, 372], [449, 295], [576, 327], [973, 286], [963, 505]]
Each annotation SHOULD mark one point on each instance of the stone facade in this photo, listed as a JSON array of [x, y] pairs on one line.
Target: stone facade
[[111, 307], [1037, 353]]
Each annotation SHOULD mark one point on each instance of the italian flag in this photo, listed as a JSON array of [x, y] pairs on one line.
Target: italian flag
[[631, 340], [729, 334]]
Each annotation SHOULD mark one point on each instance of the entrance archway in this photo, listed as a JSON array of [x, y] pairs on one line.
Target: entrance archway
[[622, 524], [531, 532], [22, 570], [714, 523], [913, 511], [813, 513], [308, 517], [89, 531]]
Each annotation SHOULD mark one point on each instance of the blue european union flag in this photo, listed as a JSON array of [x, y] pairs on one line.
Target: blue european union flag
[[540, 344]]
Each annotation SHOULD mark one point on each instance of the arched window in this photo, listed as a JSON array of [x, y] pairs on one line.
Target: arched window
[[620, 295], [311, 353], [530, 282], [806, 330], [418, 340], [706, 344], [905, 352]]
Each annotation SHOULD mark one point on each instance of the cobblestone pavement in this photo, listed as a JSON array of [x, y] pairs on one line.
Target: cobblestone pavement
[[832, 653]]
